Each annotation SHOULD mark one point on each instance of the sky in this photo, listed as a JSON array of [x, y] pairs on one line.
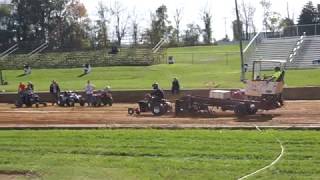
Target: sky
[[222, 11]]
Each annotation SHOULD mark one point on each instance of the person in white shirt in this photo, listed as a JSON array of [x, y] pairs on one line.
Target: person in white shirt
[[87, 69], [89, 90]]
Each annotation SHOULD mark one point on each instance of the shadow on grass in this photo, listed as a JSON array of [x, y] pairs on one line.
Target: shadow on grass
[[81, 75], [21, 75]]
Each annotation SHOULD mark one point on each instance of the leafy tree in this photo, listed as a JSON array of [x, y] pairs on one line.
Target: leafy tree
[[32, 17], [247, 15], [287, 26], [309, 15], [159, 25], [77, 26], [117, 11], [236, 31], [192, 35], [177, 20], [6, 25], [57, 24], [135, 28], [266, 5], [102, 29], [207, 31], [271, 19]]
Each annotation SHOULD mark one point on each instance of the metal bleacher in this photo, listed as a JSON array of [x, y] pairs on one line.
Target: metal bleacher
[[300, 52]]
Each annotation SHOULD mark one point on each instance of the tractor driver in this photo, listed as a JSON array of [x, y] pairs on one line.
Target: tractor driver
[[276, 77], [157, 92]]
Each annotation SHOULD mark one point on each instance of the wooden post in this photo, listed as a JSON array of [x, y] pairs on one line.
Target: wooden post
[[1, 78]]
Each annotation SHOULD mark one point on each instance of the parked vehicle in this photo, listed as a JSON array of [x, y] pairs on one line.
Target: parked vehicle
[[102, 98], [70, 98], [29, 99]]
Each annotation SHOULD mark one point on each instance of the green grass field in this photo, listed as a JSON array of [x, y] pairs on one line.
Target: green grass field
[[160, 154], [209, 68]]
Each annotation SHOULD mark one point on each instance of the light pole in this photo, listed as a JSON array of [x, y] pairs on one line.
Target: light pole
[[242, 78]]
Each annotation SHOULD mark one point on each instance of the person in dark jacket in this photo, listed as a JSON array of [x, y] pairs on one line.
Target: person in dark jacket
[[175, 88], [157, 92], [54, 91]]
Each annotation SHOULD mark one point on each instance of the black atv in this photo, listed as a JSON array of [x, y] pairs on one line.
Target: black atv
[[69, 99], [29, 99]]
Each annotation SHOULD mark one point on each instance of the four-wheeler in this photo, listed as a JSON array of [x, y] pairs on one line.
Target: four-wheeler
[[102, 98], [156, 106], [69, 98], [29, 99], [260, 94]]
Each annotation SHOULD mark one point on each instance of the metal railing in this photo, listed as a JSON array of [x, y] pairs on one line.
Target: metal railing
[[38, 49], [296, 49], [156, 48], [203, 57], [297, 30], [9, 51], [251, 47]]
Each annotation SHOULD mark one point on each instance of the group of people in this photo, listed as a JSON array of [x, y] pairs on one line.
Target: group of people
[[23, 88], [90, 88]]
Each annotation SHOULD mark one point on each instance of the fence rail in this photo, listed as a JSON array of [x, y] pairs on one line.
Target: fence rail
[[202, 57], [297, 30]]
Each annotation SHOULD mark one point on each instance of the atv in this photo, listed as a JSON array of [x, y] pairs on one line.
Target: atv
[[29, 99], [70, 98], [102, 98]]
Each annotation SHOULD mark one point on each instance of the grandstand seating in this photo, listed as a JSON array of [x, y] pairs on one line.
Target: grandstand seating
[[97, 58], [273, 49], [281, 48], [309, 56]]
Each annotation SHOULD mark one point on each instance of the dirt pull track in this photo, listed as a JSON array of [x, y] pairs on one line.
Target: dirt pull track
[[294, 114]]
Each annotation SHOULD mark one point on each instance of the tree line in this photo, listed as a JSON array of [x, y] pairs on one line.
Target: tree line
[[65, 24], [273, 22]]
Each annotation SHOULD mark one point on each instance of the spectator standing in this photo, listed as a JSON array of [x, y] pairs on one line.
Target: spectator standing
[[54, 91], [30, 86], [27, 69], [21, 88], [175, 88], [89, 89], [87, 68]]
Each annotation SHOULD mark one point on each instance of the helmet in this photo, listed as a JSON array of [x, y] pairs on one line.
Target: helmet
[[277, 68], [155, 85]]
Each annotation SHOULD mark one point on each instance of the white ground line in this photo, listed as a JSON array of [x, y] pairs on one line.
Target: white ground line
[[270, 165]]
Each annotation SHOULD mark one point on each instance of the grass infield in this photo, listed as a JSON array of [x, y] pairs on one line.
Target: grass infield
[[160, 154]]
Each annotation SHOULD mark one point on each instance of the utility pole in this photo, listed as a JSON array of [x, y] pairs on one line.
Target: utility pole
[[242, 78]]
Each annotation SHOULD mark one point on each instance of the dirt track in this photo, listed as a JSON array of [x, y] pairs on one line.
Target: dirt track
[[294, 114]]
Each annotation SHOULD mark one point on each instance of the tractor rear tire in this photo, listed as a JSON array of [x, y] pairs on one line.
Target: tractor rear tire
[[158, 109], [241, 110]]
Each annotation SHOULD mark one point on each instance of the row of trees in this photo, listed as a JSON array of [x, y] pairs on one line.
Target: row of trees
[[273, 22], [65, 25]]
